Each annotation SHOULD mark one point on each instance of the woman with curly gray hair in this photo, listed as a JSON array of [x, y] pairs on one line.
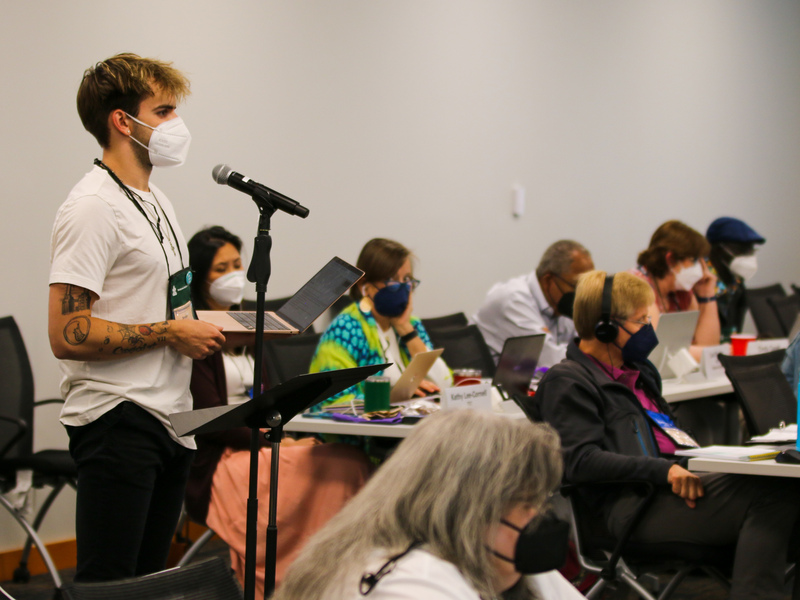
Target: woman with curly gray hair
[[450, 515]]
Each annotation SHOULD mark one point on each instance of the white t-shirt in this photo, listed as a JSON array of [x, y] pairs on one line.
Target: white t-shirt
[[103, 243], [421, 575], [518, 307]]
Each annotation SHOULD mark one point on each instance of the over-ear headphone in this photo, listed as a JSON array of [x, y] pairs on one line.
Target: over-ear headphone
[[606, 330]]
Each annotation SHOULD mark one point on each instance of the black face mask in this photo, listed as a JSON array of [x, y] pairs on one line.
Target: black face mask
[[542, 545], [565, 305]]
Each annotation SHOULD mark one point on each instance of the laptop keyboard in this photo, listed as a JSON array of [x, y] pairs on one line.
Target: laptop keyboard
[[248, 320]]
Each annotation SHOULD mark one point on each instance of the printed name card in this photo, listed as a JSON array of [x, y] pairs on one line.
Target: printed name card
[[709, 361], [763, 346], [476, 397]]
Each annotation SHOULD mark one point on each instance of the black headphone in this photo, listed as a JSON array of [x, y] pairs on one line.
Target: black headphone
[[606, 330]]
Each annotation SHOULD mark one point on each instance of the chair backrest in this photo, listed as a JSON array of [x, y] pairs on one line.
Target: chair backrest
[[767, 322], [205, 580], [766, 396], [464, 348], [786, 308], [458, 319], [16, 390], [289, 357]]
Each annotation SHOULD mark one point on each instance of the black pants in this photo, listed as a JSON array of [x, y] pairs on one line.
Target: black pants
[[131, 482], [757, 514]]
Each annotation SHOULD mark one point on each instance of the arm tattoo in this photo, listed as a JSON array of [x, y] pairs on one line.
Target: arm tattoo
[[77, 330], [75, 300]]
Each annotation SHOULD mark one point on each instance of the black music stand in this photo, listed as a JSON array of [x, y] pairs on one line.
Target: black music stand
[[272, 409]]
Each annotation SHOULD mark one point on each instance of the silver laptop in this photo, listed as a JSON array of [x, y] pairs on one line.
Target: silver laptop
[[675, 331], [413, 374], [299, 311]]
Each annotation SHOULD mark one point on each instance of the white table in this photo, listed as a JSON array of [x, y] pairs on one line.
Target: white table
[[754, 467], [324, 425], [674, 390]]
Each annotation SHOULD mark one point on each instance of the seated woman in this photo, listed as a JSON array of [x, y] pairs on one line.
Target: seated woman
[[379, 326], [605, 402], [315, 479], [674, 265], [441, 519]]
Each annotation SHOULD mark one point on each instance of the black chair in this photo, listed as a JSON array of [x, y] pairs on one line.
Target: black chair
[[621, 561], [339, 305], [786, 308], [761, 387], [464, 348], [209, 579], [52, 468], [287, 357], [767, 323], [458, 319]]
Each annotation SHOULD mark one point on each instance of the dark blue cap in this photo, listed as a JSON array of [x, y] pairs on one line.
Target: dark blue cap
[[728, 229]]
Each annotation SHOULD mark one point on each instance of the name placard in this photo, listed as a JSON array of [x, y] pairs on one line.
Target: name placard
[[476, 397], [709, 361], [763, 346]]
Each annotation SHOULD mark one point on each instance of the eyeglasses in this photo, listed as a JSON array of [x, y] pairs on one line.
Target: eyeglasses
[[409, 281], [572, 285], [647, 321]]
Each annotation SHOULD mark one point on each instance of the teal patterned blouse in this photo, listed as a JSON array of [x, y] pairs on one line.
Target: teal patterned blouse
[[353, 340]]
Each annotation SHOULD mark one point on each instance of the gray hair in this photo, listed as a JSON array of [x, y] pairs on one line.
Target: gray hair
[[457, 474], [557, 259]]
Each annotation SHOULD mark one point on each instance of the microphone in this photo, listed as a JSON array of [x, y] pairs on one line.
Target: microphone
[[224, 175]]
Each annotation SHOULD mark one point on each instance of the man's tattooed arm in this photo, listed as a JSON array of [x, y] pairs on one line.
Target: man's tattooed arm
[[75, 334]]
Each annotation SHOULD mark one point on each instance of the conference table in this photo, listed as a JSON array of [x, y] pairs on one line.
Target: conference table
[[674, 391], [755, 467]]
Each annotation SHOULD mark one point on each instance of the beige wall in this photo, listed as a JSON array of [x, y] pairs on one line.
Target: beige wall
[[413, 119]]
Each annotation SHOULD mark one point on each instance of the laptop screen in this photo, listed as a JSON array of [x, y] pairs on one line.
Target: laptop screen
[[517, 364], [322, 290]]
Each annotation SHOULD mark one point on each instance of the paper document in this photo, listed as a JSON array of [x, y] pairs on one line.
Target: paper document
[[777, 435], [742, 453]]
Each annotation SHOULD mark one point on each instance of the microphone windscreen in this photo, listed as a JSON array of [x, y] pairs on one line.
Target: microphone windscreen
[[220, 173]]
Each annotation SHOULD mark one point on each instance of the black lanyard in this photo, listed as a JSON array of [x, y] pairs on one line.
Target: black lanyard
[[137, 200]]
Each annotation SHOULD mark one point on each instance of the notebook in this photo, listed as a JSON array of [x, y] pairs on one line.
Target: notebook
[[412, 375], [517, 365], [299, 311], [675, 331]]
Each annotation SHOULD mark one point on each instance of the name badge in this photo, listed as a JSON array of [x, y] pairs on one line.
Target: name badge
[[179, 295], [673, 432]]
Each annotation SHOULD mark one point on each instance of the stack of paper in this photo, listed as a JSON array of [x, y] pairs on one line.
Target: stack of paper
[[742, 453]]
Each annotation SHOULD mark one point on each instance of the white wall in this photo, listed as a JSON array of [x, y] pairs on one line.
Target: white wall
[[413, 119]]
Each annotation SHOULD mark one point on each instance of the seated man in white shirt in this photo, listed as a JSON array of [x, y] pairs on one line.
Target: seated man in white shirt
[[539, 302]]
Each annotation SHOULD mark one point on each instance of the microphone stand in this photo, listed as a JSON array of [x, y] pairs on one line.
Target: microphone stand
[[259, 272]]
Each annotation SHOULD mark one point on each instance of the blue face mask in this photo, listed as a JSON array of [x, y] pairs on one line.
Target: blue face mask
[[640, 344], [392, 300]]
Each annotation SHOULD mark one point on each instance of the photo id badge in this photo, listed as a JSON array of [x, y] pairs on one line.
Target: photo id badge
[[180, 295], [675, 433]]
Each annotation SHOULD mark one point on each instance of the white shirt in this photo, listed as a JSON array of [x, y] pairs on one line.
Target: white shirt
[[518, 307], [422, 576], [101, 242]]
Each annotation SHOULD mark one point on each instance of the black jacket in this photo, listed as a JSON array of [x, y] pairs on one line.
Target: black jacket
[[605, 433]]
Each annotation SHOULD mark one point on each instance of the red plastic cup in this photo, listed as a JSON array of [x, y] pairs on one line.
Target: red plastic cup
[[739, 343]]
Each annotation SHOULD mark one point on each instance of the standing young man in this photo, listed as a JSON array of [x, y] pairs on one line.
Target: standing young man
[[120, 320]]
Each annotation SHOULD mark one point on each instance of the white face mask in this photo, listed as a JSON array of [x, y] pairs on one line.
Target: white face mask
[[688, 276], [744, 266], [169, 142], [228, 289]]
